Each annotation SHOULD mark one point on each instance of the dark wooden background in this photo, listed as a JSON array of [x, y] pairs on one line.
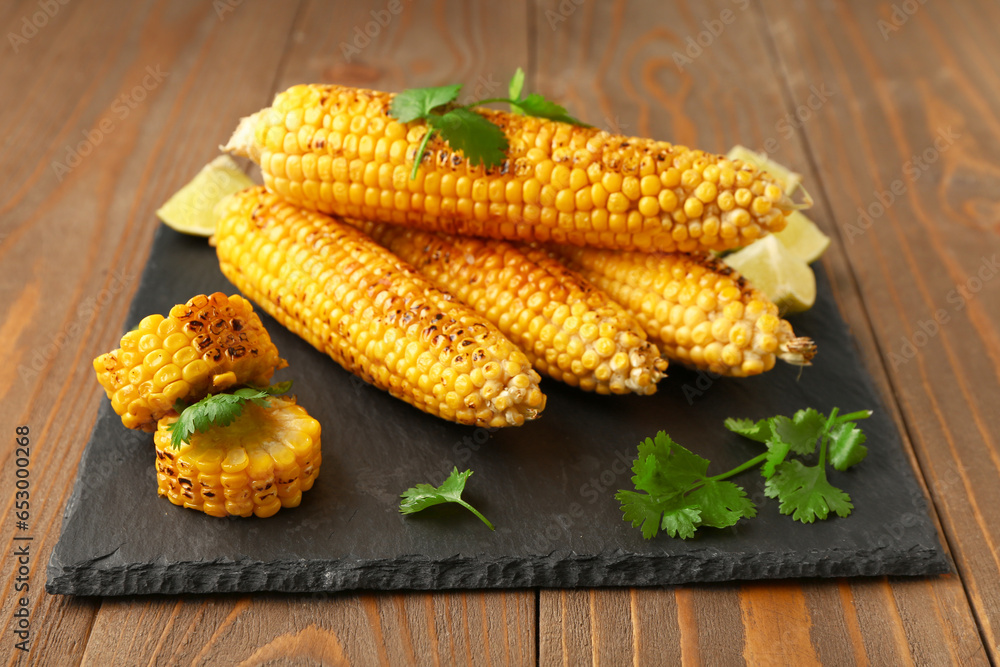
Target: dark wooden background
[[148, 89]]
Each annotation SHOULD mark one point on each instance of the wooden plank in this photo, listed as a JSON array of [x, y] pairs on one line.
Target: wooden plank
[[624, 70], [143, 93], [906, 152], [495, 628], [424, 44]]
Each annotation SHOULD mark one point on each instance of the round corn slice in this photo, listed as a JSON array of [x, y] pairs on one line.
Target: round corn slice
[[263, 461], [200, 348]]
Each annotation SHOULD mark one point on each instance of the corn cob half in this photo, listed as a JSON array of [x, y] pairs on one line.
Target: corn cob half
[[201, 347], [702, 312], [570, 331], [374, 314], [263, 461], [335, 149]]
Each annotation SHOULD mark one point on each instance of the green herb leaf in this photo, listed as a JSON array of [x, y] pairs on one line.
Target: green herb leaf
[[514, 90], [422, 496], [218, 410], [846, 446], [674, 493], [760, 431], [416, 103], [540, 107], [801, 432], [805, 493], [480, 141]]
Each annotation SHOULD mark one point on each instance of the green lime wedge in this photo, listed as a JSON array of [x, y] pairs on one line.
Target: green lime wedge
[[803, 238], [788, 179], [801, 235], [773, 269], [190, 210]]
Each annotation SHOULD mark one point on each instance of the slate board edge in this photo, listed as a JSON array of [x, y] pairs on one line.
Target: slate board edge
[[420, 573]]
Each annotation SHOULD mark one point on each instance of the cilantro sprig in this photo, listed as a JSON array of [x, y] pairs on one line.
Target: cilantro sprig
[[673, 491], [481, 141], [422, 496], [218, 410]]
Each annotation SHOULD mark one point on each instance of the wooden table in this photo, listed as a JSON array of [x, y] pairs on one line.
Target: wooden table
[[890, 111]]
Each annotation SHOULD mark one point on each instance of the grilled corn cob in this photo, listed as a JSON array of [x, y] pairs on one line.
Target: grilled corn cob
[[570, 331], [201, 347], [335, 149], [374, 314], [259, 463], [703, 313]]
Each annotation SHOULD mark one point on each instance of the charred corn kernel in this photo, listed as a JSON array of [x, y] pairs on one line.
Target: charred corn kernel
[[546, 310], [263, 461], [349, 297], [698, 310], [536, 190], [208, 340]]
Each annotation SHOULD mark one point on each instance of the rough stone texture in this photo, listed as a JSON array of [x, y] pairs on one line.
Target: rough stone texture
[[547, 486]]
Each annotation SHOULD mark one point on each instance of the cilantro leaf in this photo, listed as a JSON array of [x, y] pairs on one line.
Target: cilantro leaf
[[805, 493], [801, 432], [760, 431], [540, 107], [776, 453], [417, 103], [846, 448], [422, 496], [722, 504], [217, 410], [642, 511], [480, 141], [514, 90], [674, 493]]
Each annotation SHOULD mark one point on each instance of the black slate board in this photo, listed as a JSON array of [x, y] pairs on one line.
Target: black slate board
[[547, 486]]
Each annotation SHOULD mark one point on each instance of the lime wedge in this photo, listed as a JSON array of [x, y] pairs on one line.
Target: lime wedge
[[190, 210], [802, 237], [788, 179], [773, 269]]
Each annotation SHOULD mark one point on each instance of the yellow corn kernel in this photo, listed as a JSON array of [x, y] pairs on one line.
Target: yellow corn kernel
[[244, 468], [383, 306], [699, 310], [374, 154], [204, 338]]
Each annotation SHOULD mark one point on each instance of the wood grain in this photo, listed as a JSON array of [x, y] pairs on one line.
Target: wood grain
[[637, 75], [908, 80], [73, 243]]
